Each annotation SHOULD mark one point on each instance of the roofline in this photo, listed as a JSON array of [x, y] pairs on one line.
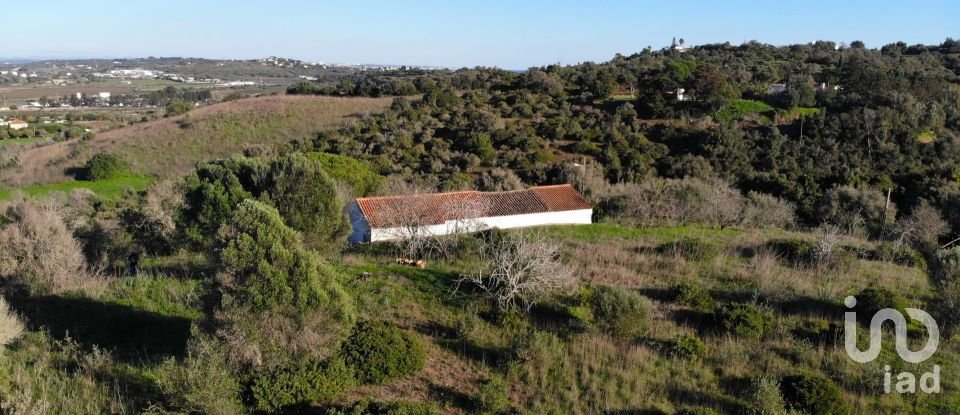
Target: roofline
[[463, 192]]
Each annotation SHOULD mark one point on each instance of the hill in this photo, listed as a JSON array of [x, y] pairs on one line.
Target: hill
[[172, 146]]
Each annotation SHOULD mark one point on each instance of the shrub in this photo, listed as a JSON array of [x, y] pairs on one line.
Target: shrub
[[307, 199], [278, 299], [178, 107], [539, 348], [38, 252], [692, 249], [898, 254], [693, 295], [300, 381], [492, 396], [103, 166], [202, 382], [818, 331], [765, 211], [814, 394], [358, 174], [873, 299], [10, 325], [378, 352], [389, 408], [853, 208], [620, 313], [744, 320], [685, 347], [800, 252], [766, 398]]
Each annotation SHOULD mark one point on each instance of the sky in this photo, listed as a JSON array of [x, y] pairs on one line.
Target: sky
[[509, 34]]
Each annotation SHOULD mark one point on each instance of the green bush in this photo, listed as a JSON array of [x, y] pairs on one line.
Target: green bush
[[818, 331], [360, 175], [303, 380], [744, 320], [539, 348], [203, 382], [295, 185], [685, 347], [813, 394], [379, 352], [178, 107], [388, 408], [104, 166], [307, 198], [620, 313], [492, 397], [903, 255], [269, 282], [800, 252], [693, 295], [873, 299]]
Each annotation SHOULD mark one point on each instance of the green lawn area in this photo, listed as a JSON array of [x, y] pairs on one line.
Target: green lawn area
[[109, 188], [18, 141], [804, 111], [741, 107], [747, 106]]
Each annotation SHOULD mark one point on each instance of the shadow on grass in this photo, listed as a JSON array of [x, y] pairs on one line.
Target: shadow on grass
[[723, 403], [131, 333], [805, 306], [701, 321], [457, 399], [448, 338]]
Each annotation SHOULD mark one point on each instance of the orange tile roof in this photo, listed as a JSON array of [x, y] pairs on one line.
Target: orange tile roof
[[437, 208]]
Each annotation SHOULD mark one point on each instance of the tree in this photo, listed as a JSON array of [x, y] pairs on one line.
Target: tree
[[518, 269], [277, 299], [178, 107], [307, 198], [103, 166]]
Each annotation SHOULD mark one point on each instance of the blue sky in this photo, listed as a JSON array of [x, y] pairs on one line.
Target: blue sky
[[510, 34]]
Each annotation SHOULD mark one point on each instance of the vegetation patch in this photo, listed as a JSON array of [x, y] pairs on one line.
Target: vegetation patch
[[378, 352]]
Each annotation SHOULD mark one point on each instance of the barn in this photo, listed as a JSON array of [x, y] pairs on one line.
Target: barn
[[386, 218]]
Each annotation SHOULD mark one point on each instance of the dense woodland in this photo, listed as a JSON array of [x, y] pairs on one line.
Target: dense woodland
[[731, 225]]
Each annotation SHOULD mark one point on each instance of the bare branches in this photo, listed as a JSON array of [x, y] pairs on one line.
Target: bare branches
[[520, 268]]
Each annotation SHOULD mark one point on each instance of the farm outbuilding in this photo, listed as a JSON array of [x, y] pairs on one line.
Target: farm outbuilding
[[396, 217]]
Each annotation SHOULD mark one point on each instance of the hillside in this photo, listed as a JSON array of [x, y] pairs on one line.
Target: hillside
[[172, 146]]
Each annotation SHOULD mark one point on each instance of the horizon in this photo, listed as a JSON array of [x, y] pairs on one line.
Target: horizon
[[496, 34]]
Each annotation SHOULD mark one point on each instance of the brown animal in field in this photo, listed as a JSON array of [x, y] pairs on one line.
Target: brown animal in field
[[421, 264]]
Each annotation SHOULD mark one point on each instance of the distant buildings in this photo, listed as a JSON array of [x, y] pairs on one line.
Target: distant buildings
[[14, 124]]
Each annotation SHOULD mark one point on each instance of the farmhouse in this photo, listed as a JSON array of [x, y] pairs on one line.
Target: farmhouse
[[16, 124], [396, 217]]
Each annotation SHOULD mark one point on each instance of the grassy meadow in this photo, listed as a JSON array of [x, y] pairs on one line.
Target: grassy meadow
[[553, 359], [172, 146]]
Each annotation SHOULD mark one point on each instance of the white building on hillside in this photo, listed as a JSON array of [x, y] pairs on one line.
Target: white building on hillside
[[397, 217]]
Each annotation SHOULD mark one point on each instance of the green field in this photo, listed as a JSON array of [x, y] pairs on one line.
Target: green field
[[109, 188]]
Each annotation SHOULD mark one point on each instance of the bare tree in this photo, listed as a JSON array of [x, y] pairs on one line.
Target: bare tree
[[829, 238], [422, 227], [924, 226], [519, 269]]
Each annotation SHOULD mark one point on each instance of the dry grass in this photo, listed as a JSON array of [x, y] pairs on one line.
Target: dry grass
[[172, 146], [10, 325]]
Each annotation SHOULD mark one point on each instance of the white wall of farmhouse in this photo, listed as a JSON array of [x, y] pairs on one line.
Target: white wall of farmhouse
[[569, 217]]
